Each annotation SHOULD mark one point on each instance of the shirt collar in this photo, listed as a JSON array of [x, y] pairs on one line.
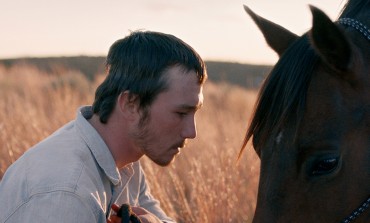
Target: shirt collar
[[98, 148]]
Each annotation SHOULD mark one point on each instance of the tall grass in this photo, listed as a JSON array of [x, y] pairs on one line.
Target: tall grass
[[204, 184]]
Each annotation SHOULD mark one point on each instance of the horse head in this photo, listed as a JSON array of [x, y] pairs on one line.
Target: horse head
[[311, 125]]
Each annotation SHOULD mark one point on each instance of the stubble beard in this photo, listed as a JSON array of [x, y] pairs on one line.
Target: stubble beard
[[142, 136], [143, 140]]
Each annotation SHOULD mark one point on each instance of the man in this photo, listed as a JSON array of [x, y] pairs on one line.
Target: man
[[145, 106]]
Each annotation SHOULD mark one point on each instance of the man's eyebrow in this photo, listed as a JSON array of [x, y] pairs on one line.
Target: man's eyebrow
[[191, 107]]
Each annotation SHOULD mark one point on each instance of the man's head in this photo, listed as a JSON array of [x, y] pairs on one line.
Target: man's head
[[137, 64], [171, 117]]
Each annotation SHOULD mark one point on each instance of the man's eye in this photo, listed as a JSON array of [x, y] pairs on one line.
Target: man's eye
[[181, 113]]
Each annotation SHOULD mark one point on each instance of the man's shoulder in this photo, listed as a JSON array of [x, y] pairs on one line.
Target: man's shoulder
[[49, 173], [59, 162]]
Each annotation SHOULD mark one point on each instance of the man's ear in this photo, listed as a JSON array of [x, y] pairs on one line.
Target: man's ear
[[128, 105]]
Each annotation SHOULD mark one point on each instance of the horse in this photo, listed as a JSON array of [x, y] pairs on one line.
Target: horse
[[311, 122]]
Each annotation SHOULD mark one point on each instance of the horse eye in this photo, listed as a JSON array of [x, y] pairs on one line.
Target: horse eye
[[324, 166]]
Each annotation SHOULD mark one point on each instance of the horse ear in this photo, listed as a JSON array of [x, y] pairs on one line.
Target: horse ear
[[277, 37], [329, 41]]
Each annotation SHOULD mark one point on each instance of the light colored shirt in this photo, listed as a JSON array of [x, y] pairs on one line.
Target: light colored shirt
[[69, 177]]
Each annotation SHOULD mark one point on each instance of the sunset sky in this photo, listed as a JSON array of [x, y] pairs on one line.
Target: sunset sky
[[217, 29]]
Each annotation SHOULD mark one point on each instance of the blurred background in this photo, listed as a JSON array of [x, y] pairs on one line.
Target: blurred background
[[219, 30]]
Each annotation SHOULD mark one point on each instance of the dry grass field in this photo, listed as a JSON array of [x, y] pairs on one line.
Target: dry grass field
[[204, 184]]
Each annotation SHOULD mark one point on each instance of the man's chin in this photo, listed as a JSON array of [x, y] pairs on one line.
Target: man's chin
[[164, 163]]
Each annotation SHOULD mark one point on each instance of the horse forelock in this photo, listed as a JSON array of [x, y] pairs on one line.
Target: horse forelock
[[283, 95], [355, 7]]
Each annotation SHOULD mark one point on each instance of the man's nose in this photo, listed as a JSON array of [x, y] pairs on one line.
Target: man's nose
[[190, 129]]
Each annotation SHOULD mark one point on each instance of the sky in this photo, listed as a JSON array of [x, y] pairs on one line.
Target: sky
[[218, 30]]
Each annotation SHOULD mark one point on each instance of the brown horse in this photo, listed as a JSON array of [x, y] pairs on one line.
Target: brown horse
[[311, 125]]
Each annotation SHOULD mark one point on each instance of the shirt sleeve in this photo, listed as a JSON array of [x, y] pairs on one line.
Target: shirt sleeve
[[147, 201], [57, 206]]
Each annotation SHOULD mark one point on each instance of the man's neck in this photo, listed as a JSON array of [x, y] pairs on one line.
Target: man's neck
[[117, 139]]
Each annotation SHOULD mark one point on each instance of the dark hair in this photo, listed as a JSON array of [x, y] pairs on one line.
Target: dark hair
[[283, 94], [137, 63], [353, 8]]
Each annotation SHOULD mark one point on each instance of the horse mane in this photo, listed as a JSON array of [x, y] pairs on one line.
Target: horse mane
[[282, 96], [283, 93], [354, 7]]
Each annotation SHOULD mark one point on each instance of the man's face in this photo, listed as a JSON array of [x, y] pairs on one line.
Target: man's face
[[171, 117]]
